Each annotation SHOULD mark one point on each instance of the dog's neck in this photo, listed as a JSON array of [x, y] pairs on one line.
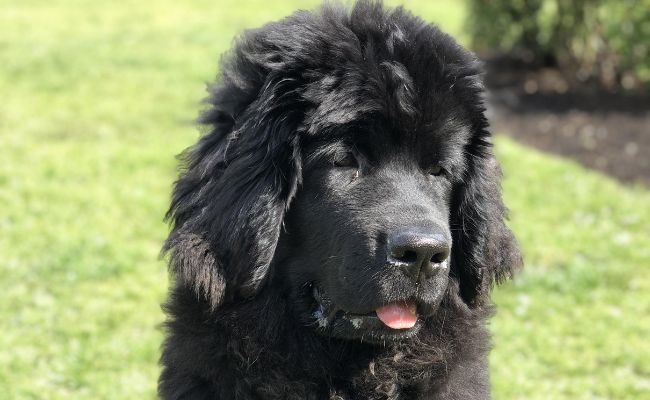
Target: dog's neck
[[307, 362]]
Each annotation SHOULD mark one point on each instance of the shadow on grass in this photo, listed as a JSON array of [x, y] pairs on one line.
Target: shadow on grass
[[608, 132]]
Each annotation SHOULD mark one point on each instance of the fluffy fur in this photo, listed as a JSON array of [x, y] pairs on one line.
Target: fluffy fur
[[327, 132]]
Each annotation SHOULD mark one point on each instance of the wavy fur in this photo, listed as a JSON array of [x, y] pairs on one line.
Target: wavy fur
[[237, 327]]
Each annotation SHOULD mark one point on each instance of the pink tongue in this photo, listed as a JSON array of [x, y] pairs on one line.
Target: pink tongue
[[398, 315]]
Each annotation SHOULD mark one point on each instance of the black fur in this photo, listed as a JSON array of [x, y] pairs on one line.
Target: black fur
[[323, 132]]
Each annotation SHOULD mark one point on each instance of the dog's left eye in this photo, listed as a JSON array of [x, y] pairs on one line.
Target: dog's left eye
[[346, 160], [436, 170]]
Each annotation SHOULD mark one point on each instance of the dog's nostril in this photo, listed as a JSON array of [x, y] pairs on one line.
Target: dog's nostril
[[439, 257], [406, 256]]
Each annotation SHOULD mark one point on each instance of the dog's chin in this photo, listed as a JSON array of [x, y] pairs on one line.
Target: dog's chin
[[334, 322]]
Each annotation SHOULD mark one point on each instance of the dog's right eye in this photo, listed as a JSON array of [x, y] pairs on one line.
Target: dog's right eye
[[346, 160]]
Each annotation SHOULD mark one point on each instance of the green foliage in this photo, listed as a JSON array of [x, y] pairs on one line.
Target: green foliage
[[98, 98], [604, 40]]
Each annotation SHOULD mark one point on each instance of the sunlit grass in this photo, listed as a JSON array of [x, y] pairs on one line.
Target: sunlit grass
[[573, 324], [99, 97]]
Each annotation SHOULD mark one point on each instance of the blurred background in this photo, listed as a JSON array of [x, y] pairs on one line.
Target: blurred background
[[98, 97]]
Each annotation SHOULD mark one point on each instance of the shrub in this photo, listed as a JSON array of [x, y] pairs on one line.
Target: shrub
[[606, 41]]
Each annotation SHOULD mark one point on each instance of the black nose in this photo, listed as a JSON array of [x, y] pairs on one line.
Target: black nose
[[420, 252]]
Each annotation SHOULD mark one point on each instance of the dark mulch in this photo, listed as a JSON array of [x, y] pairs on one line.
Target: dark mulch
[[609, 132]]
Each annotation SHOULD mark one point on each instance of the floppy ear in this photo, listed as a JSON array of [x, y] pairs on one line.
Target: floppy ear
[[484, 250], [229, 202]]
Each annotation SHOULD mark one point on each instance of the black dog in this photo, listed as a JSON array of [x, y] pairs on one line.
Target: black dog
[[337, 230]]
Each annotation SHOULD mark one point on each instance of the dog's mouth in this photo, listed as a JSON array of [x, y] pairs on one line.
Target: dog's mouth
[[399, 315], [393, 321]]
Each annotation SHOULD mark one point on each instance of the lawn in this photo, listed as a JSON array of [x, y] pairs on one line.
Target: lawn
[[98, 98]]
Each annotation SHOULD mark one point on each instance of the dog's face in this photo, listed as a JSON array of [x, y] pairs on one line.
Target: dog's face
[[367, 240], [349, 165]]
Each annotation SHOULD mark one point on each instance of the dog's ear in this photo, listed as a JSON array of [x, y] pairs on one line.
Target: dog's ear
[[484, 250], [238, 180]]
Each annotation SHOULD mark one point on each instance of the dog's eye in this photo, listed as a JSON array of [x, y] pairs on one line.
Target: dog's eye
[[436, 170], [346, 160]]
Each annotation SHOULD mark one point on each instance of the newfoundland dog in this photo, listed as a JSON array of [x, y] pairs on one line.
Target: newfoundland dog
[[337, 229]]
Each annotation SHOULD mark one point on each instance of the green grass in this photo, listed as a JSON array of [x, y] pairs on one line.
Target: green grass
[[574, 324], [99, 97]]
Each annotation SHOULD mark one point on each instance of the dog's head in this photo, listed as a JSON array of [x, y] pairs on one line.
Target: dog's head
[[348, 161]]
